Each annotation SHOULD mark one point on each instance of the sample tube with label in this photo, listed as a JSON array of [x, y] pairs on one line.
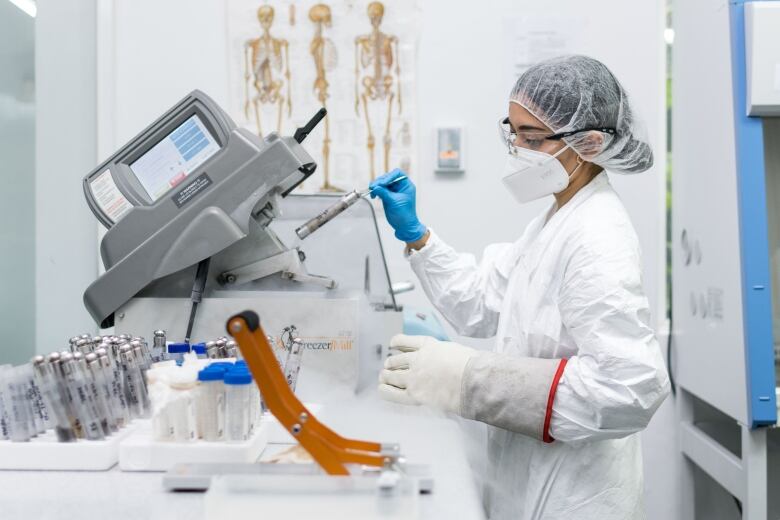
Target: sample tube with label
[[101, 390], [53, 399], [61, 388], [238, 404], [132, 382], [93, 395], [15, 402], [181, 409], [211, 403], [113, 379], [80, 396]]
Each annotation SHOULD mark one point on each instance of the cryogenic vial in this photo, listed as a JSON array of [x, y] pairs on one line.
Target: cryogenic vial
[[40, 415], [101, 390], [61, 389], [212, 350], [141, 352], [222, 347], [256, 407], [113, 379], [200, 350], [144, 363], [93, 393], [176, 351], [83, 346], [80, 397], [53, 400], [232, 350], [96, 342], [14, 400], [159, 346], [211, 403], [238, 404], [133, 384]]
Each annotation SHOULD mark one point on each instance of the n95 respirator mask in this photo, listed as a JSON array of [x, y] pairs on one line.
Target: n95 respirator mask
[[531, 175]]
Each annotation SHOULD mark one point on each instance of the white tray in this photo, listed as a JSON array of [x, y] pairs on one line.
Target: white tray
[[46, 453], [140, 452]]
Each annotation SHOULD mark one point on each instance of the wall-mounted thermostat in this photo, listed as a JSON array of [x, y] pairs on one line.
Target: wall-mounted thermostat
[[449, 150]]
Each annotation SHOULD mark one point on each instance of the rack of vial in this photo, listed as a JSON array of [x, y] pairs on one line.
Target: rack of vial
[[89, 391], [204, 411], [209, 400], [198, 395], [70, 408]]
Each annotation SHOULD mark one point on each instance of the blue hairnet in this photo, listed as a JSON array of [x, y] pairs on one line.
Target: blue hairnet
[[576, 92]]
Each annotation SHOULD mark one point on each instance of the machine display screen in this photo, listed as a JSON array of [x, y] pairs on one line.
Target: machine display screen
[[171, 160]]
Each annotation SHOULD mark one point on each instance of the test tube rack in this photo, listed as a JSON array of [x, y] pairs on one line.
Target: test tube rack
[[140, 452], [45, 453]]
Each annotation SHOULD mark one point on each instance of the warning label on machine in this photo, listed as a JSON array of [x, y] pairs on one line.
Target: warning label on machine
[[111, 201], [187, 193]]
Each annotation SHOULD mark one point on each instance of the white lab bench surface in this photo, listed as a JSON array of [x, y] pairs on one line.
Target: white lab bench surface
[[424, 438]]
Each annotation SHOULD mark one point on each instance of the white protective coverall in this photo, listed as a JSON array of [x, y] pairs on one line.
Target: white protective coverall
[[576, 371]]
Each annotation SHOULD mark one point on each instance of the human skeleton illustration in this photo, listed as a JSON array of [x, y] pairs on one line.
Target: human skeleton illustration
[[325, 59], [267, 71], [377, 78]]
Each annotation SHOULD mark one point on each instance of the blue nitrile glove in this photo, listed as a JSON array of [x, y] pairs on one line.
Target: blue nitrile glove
[[399, 201]]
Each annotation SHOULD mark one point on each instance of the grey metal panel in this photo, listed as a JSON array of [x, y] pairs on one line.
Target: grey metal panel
[[713, 458], [708, 355]]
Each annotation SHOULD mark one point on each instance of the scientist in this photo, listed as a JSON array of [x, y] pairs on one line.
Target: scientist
[[576, 370]]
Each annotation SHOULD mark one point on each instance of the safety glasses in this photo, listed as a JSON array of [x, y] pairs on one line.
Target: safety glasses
[[534, 139]]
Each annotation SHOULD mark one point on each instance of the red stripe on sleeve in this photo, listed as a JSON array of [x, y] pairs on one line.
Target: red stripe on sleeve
[[550, 398]]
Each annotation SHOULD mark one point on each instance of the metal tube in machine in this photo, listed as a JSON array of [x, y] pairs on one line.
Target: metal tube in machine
[[329, 214]]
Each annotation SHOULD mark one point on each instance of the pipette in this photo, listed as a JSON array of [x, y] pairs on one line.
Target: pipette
[[337, 209]]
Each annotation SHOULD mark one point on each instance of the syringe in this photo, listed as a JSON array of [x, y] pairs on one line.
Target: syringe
[[335, 210]]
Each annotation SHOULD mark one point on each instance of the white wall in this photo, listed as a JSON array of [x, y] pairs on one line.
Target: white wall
[[152, 53], [17, 176], [65, 152]]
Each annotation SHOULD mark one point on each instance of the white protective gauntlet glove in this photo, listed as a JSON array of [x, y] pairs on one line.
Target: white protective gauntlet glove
[[513, 393], [426, 371]]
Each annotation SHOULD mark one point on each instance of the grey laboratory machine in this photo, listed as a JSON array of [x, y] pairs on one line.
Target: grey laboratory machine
[[198, 214]]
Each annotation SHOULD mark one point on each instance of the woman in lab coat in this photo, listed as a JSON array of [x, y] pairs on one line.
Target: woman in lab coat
[[576, 370]]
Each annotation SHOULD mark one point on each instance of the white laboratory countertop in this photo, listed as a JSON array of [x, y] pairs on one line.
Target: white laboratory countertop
[[117, 495]]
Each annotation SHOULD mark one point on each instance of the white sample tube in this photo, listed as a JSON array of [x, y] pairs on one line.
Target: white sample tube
[[211, 403], [181, 410], [238, 404], [181, 417], [161, 425]]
